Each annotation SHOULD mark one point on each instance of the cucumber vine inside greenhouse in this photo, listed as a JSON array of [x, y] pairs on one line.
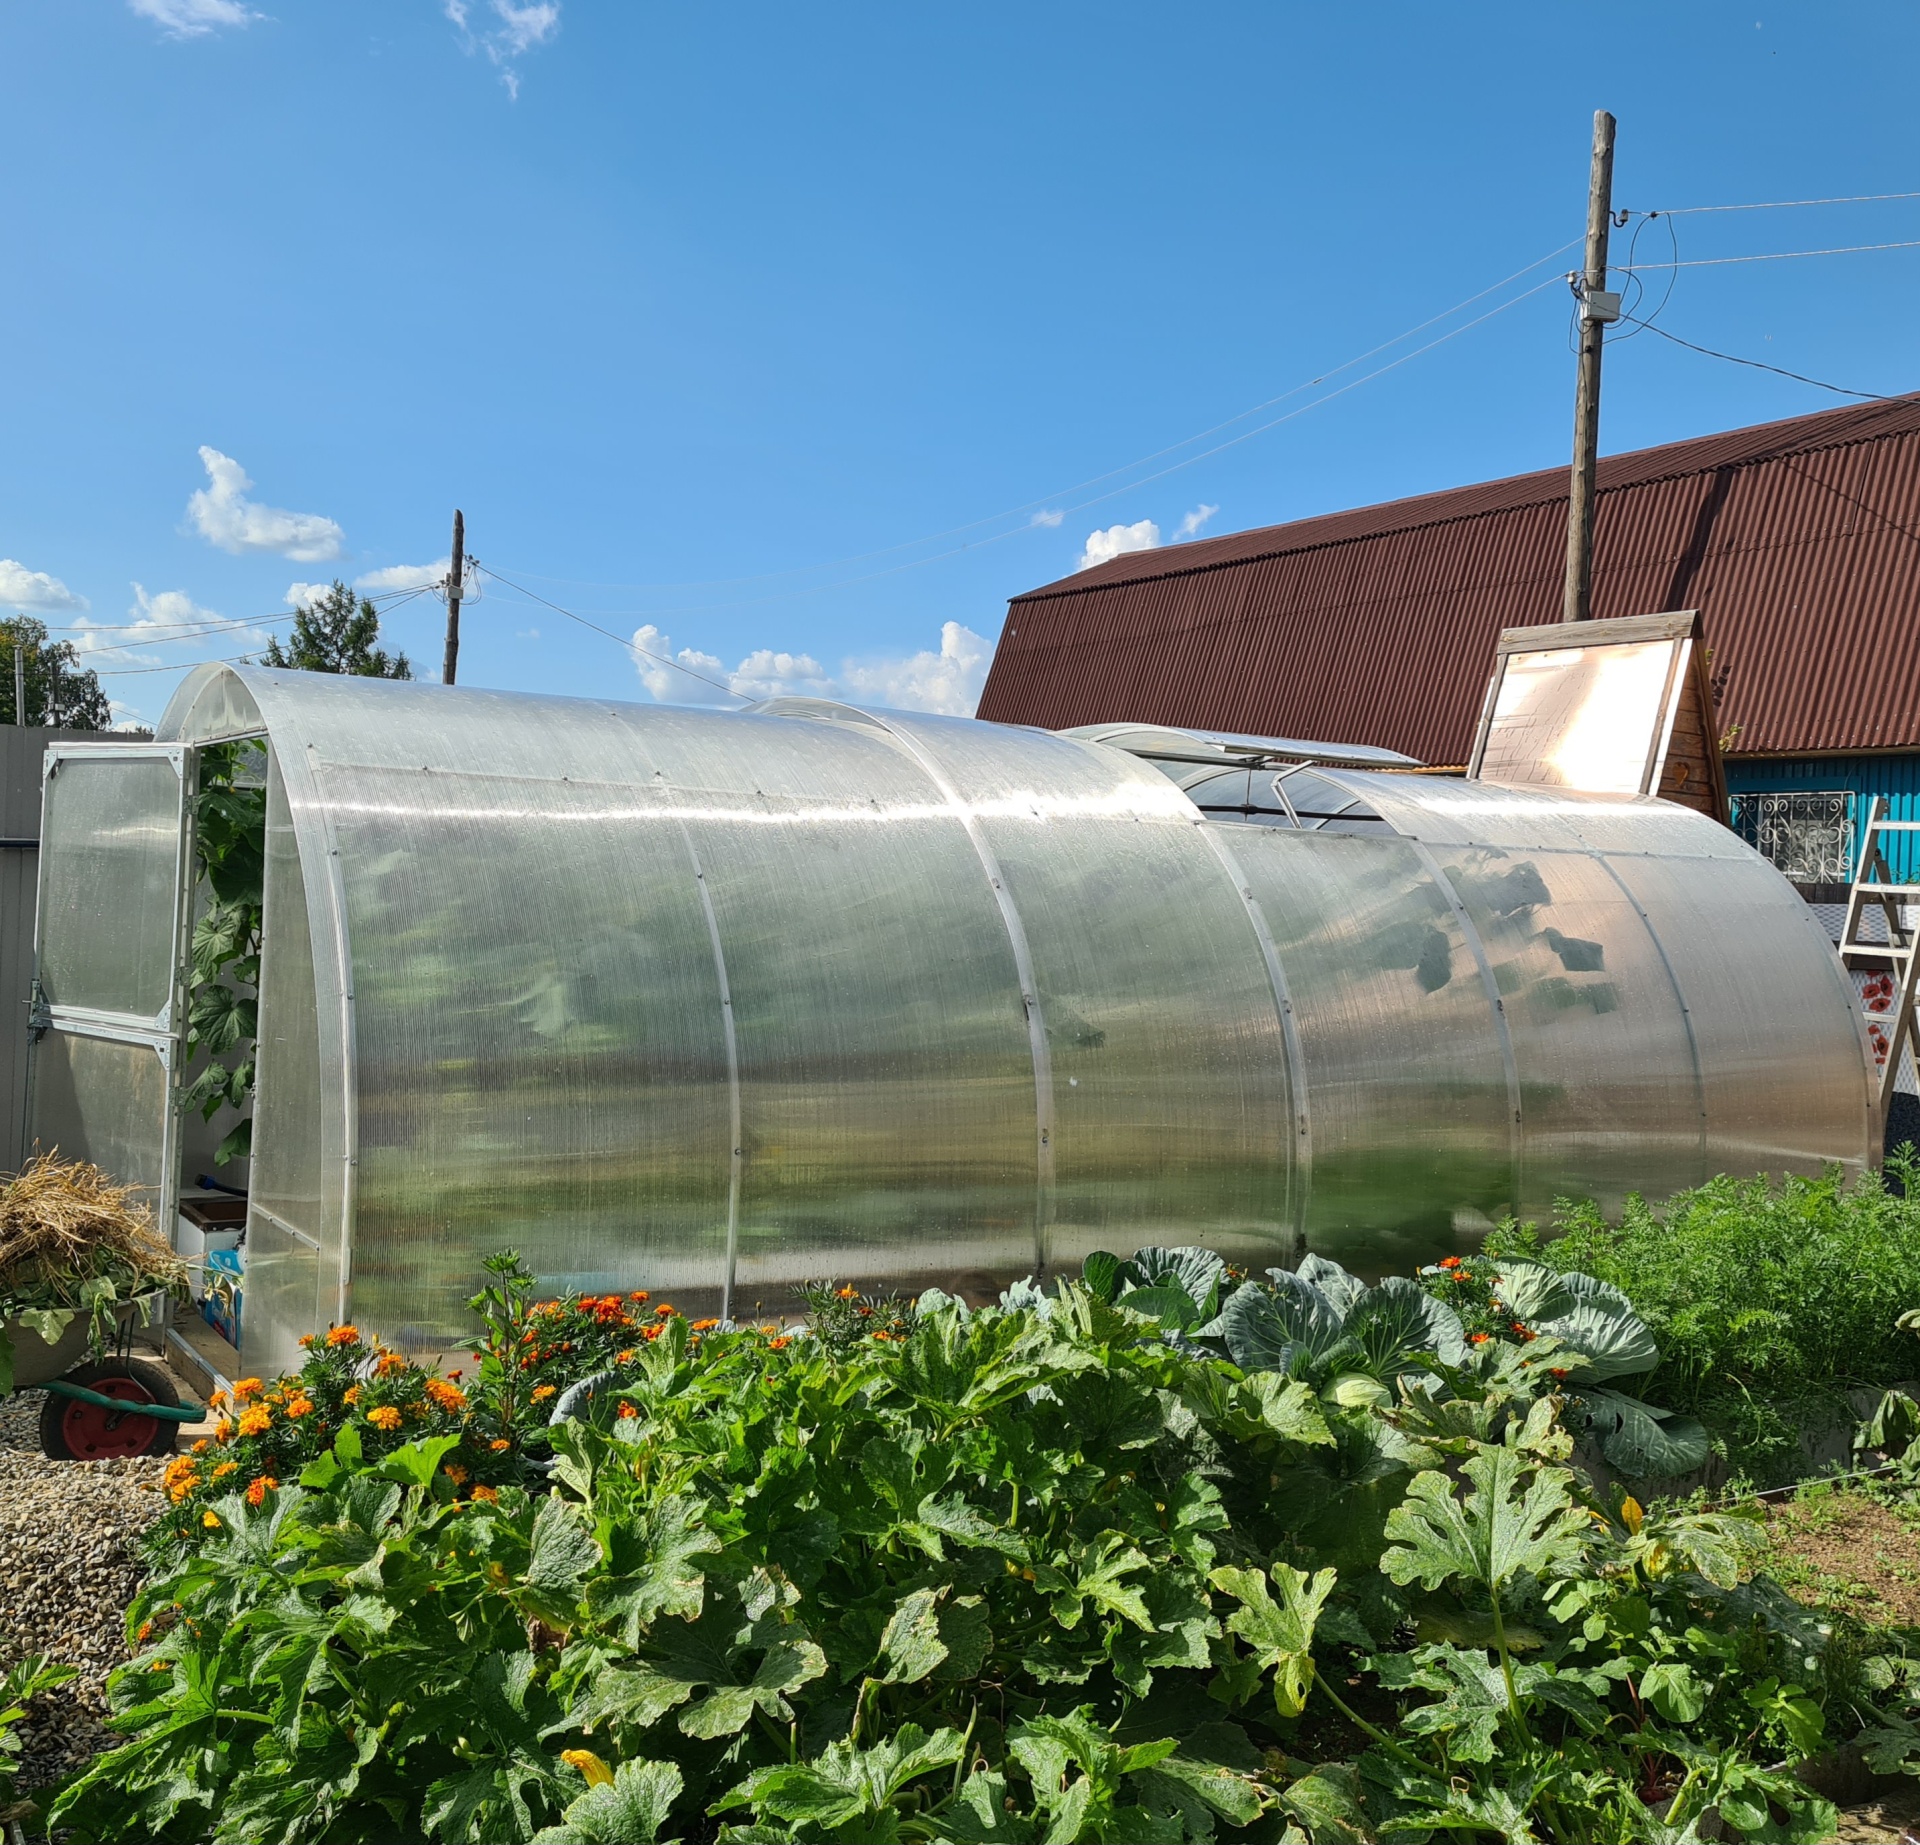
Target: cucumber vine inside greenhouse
[[230, 841]]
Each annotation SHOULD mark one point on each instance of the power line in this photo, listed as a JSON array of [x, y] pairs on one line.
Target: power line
[[1781, 256], [1028, 506], [1758, 365], [1858, 198], [630, 645], [816, 589]]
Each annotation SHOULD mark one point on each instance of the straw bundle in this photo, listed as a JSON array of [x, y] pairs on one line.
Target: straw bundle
[[64, 1223]]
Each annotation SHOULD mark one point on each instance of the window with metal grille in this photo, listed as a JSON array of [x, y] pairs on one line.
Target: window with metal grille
[[1808, 837]]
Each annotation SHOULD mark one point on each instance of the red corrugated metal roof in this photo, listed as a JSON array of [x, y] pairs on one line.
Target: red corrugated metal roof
[[1799, 542]]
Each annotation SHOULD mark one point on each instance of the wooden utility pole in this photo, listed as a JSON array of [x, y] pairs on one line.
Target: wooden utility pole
[[1597, 310], [454, 576]]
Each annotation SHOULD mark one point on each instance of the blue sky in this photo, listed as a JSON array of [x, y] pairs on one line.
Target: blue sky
[[782, 335]]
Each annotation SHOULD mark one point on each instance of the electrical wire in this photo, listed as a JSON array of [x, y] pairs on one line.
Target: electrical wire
[[1780, 256], [1879, 397], [1859, 198], [816, 589], [629, 644], [1029, 506]]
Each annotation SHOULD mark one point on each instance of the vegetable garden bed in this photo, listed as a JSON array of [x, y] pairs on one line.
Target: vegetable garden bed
[[1160, 1553]]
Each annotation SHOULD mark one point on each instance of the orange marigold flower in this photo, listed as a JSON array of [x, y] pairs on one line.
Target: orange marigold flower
[[849, 1292], [455, 1472], [384, 1417], [1449, 1261], [705, 1325], [880, 1332], [640, 1294], [627, 1356], [542, 1391], [666, 1310], [780, 1344], [247, 1387], [450, 1397], [353, 1393], [202, 1445], [225, 1468], [1560, 1374], [627, 1412], [300, 1406], [307, 1340], [146, 1631], [178, 1489], [499, 1444], [486, 1495], [454, 1374], [344, 1335], [255, 1421], [390, 1364], [210, 1520], [1480, 1338], [649, 1333], [223, 1429], [261, 1487]]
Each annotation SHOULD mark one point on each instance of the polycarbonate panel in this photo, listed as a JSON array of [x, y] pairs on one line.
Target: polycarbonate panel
[[1407, 1091], [1170, 1099], [284, 1298], [291, 1178], [886, 1077], [108, 1101], [109, 870], [540, 1053], [1609, 1097], [1443, 810], [1786, 1076]]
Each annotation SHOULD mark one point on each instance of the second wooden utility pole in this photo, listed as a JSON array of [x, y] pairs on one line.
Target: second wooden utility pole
[[455, 574], [1598, 309]]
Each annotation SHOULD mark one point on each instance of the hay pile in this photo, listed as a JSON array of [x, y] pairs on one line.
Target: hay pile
[[64, 1224]]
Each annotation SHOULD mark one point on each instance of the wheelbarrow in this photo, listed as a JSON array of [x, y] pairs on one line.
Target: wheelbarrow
[[102, 1405]]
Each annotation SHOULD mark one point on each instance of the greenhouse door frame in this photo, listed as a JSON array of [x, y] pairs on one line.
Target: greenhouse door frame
[[137, 909]]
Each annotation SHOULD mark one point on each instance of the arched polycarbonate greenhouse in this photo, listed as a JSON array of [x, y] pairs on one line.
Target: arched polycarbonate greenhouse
[[713, 1002]]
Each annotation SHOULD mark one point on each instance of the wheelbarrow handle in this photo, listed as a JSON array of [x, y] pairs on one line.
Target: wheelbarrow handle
[[162, 1412]]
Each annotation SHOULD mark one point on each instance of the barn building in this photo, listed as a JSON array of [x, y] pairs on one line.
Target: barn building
[[1798, 541]]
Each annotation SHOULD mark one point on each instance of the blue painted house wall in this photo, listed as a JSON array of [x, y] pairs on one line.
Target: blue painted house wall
[[1896, 776]]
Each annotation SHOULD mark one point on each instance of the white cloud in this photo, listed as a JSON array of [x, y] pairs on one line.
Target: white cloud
[[948, 680], [651, 652], [406, 576], [765, 673], [193, 18], [302, 595], [21, 588], [1192, 524], [224, 516], [1048, 516], [161, 617], [1117, 540], [516, 30]]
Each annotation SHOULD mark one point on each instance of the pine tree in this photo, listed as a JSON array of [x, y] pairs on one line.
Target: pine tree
[[333, 634], [59, 690]]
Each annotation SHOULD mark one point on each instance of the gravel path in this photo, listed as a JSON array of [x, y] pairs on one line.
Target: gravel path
[[68, 1531]]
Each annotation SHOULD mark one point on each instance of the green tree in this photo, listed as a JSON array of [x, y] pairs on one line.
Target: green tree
[[59, 690], [336, 634]]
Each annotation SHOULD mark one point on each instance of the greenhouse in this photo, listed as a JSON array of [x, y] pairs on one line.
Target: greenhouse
[[713, 1002]]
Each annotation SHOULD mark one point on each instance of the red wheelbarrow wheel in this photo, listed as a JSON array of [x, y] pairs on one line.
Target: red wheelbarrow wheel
[[73, 1431]]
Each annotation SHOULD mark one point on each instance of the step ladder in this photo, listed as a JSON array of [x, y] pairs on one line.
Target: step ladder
[[1878, 895]]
